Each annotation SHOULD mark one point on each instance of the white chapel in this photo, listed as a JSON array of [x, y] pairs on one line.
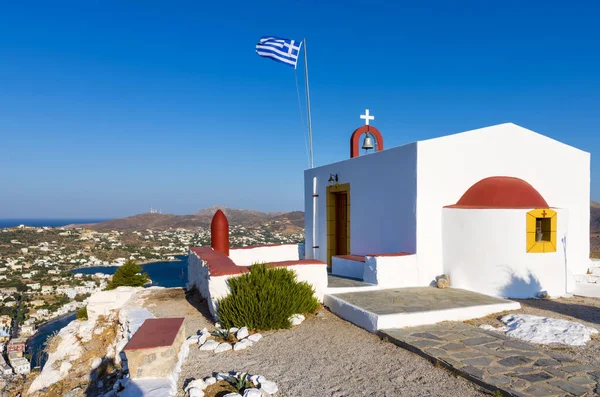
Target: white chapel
[[502, 210]]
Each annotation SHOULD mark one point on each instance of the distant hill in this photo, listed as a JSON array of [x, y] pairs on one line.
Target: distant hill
[[287, 222], [290, 222]]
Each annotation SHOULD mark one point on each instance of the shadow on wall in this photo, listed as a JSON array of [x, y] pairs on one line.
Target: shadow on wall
[[516, 286], [194, 298]]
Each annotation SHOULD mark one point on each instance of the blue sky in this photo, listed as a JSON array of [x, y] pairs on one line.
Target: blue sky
[[108, 108]]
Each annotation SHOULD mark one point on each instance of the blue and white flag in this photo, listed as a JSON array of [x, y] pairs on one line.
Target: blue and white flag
[[280, 50]]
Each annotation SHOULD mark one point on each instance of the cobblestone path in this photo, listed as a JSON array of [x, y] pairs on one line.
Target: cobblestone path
[[497, 362]]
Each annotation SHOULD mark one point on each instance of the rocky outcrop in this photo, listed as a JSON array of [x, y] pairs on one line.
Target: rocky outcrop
[[88, 348]]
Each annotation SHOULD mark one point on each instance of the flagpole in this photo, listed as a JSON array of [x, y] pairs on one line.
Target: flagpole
[[312, 165]]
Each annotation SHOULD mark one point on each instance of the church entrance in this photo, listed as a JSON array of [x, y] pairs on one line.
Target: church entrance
[[338, 220], [341, 227]]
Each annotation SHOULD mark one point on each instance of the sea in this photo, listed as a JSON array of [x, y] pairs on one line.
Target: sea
[[167, 274], [5, 223]]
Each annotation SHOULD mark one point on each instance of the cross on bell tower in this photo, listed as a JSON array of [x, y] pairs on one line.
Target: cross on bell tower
[[366, 117]]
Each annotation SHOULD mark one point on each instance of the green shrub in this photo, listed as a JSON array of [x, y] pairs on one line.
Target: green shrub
[[128, 275], [265, 298], [82, 313]]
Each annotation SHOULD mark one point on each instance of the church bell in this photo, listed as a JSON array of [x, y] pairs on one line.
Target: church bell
[[368, 142]]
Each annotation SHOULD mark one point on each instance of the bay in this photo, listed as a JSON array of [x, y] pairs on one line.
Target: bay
[[168, 274]]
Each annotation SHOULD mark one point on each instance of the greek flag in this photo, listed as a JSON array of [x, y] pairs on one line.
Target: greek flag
[[280, 50]]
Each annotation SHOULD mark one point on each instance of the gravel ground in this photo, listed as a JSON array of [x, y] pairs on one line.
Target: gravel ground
[[324, 356], [579, 309], [327, 356]]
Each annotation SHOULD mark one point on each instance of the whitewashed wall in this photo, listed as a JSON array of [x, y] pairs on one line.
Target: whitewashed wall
[[382, 202], [485, 251], [392, 271], [213, 288], [347, 268], [448, 166], [264, 254]]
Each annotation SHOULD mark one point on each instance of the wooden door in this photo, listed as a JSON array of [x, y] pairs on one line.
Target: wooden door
[[341, 223]]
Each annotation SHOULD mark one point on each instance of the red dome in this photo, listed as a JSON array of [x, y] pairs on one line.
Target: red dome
[[501, 192]]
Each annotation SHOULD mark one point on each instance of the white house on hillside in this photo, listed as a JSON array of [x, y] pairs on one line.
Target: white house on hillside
[[503, 210]]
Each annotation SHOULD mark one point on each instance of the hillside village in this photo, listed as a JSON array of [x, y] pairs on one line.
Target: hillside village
[[37, 283]]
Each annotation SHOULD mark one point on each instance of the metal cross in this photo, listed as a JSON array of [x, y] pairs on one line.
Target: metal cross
[[544, 213], [366, 117]]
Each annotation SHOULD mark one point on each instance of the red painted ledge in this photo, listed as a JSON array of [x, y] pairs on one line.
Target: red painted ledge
[[155, 332], [356, 258], [218, 263], [221, 265], [392, 254]]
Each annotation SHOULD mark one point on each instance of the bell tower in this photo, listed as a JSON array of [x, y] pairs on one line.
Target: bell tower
[[371, 132]]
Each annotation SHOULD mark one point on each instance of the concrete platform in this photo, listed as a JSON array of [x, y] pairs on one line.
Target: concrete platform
[[409, 307]]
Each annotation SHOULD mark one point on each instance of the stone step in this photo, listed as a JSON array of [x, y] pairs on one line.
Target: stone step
[[412, 306]]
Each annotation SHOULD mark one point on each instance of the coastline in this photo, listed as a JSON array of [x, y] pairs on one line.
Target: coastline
[[49, 322], [141, 263]]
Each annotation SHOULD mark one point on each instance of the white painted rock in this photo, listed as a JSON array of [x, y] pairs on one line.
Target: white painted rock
[[254, 379], [252, 393], [268, 387], [222, 376], [232, 395], [261, 379], [202, 338], [233, 330], [254, 337], [296, 319], [203, 331], [223, 347], [217, 325], [196, 383], [243, 344], [211, 380], [193, 339], [195, 392], [209, 345], [242, 333]]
